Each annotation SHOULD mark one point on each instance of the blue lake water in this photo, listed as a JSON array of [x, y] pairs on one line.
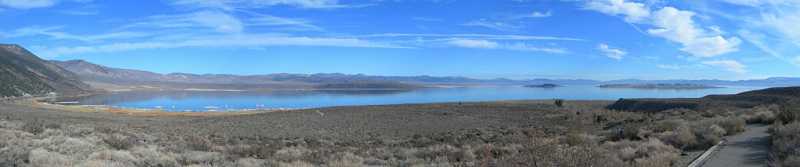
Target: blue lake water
[[224, 101]]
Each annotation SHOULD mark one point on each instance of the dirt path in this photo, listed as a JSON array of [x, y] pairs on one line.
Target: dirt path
[[748, 149]]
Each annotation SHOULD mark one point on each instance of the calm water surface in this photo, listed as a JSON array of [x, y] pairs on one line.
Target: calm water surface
[[223, 101]]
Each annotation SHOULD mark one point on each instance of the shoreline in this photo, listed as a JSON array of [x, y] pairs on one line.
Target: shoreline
[[159, 112]]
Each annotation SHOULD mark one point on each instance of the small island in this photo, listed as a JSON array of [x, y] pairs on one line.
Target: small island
[[659, 86], [542, 86]]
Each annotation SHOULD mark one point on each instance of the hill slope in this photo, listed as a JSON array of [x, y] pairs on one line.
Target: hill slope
[[117, 78], [23, 74], [777, 95]]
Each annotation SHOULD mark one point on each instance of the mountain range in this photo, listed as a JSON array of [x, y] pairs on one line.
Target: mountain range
[[97, 73], [25, 74]]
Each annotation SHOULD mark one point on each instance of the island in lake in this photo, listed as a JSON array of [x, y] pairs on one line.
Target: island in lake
[[542, 86], [659, 86]]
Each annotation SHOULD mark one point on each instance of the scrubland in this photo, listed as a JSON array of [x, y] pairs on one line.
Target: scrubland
[[785, 137], [519, 133]]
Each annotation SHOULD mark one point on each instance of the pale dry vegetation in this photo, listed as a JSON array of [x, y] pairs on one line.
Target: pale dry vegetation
[[785, 134], [576, 136]]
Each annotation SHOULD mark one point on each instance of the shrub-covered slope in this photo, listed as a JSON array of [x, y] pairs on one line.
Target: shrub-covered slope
[[22, 73]]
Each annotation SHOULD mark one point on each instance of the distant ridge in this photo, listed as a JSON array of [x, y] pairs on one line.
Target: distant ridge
[[25, 74], [98, 73]]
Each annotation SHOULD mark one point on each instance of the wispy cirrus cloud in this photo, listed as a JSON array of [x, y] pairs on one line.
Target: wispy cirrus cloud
[[295, 24], [248, 4], [535, 14], [496, 25], [31, 4], [482, 36], [515, 46], [27, 4], [473, 43], [55, 32], [728, 65], [216, 20], [249, 40]]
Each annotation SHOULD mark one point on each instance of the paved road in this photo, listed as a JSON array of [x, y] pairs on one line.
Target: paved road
[[748, 149]]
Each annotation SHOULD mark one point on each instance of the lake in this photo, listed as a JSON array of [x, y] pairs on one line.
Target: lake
[[294, 99]]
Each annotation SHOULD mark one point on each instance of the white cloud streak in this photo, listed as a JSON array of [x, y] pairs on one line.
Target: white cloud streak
[[248, 4], [728, 65], [483, 36], [487, 44], [54, 33], [473, 43], [27, 4], [672, 24], [496, 25], [218, 21], [249, 40], [612, 53]]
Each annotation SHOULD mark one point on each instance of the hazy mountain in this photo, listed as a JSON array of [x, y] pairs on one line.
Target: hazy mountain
[[97, 73], [22, 73]]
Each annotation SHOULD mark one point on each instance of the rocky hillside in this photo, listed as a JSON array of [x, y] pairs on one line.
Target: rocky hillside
[[25, 74]]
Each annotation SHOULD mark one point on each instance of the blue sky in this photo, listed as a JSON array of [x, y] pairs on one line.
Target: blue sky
[[519, 39]]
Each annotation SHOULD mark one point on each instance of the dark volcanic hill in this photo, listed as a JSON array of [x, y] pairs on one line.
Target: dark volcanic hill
[[776, 95], [23, 74]]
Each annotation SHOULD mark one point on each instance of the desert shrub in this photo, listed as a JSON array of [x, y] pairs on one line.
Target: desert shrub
[[540, 152], [785, 141], [762, 114], [296, 164], [198, 143], [681, 137], [651, 152], [252, 162], [708, 136], [290, 154], [345, 160], [43, 158], [732, 125], [110, 158], [14, 156], [53, 126], [788, 113], [559, 102], [34, 127], [445, 153], [670, 125], [630, 131], [119, 141], [576, 139], [249, 151], [150, 156], [200, 158]]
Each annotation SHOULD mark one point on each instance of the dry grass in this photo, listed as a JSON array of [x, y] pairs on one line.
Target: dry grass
[[573, 135]]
